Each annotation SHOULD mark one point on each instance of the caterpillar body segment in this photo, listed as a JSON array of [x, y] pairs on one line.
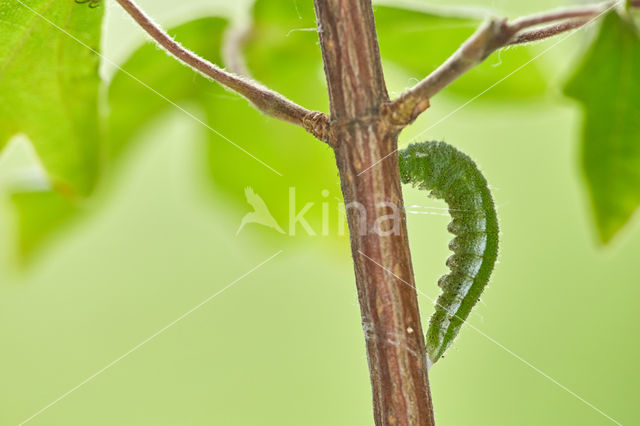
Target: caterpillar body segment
[[452, 176]]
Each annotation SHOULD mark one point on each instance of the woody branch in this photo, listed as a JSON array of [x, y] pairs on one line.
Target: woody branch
[[267, 101], [496, 33]]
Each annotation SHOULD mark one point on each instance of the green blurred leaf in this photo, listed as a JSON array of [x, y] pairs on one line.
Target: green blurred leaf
[[419, 42], [281, 51], [288, 61], [49, 86], [607, 84], [132, 105], [40, 214]]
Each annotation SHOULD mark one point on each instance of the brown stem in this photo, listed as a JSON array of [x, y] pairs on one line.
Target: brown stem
[[548, 31], [361, 136], [587, 11], [493, 35], [266, 100], [406, 108]]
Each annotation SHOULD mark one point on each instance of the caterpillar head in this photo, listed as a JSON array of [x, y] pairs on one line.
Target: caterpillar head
[[422, 163]]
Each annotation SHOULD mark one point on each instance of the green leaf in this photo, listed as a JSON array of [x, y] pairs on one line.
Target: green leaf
[[133, 105], [281, 51], [40, 215], [49, 85], [420, 41], [607, 84]]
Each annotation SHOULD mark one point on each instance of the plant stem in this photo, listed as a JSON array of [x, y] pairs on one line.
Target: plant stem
[[267, 101], [362, 129], [361, 136], [549, 31], [493, 35]]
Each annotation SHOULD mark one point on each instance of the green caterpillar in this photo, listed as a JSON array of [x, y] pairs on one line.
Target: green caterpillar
[[451, 175]]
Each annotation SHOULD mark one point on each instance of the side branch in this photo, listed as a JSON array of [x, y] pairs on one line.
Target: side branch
[[491, 36], [267, 101]]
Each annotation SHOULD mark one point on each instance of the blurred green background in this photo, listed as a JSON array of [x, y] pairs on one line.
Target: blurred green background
[[284, 345]]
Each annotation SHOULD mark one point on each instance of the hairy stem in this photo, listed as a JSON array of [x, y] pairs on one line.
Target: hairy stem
[[267, 101], [493, 35], [588, 11], [549, 31], [361, 136]]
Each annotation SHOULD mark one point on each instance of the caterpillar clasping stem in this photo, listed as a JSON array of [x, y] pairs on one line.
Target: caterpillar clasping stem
[[451, 175]]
